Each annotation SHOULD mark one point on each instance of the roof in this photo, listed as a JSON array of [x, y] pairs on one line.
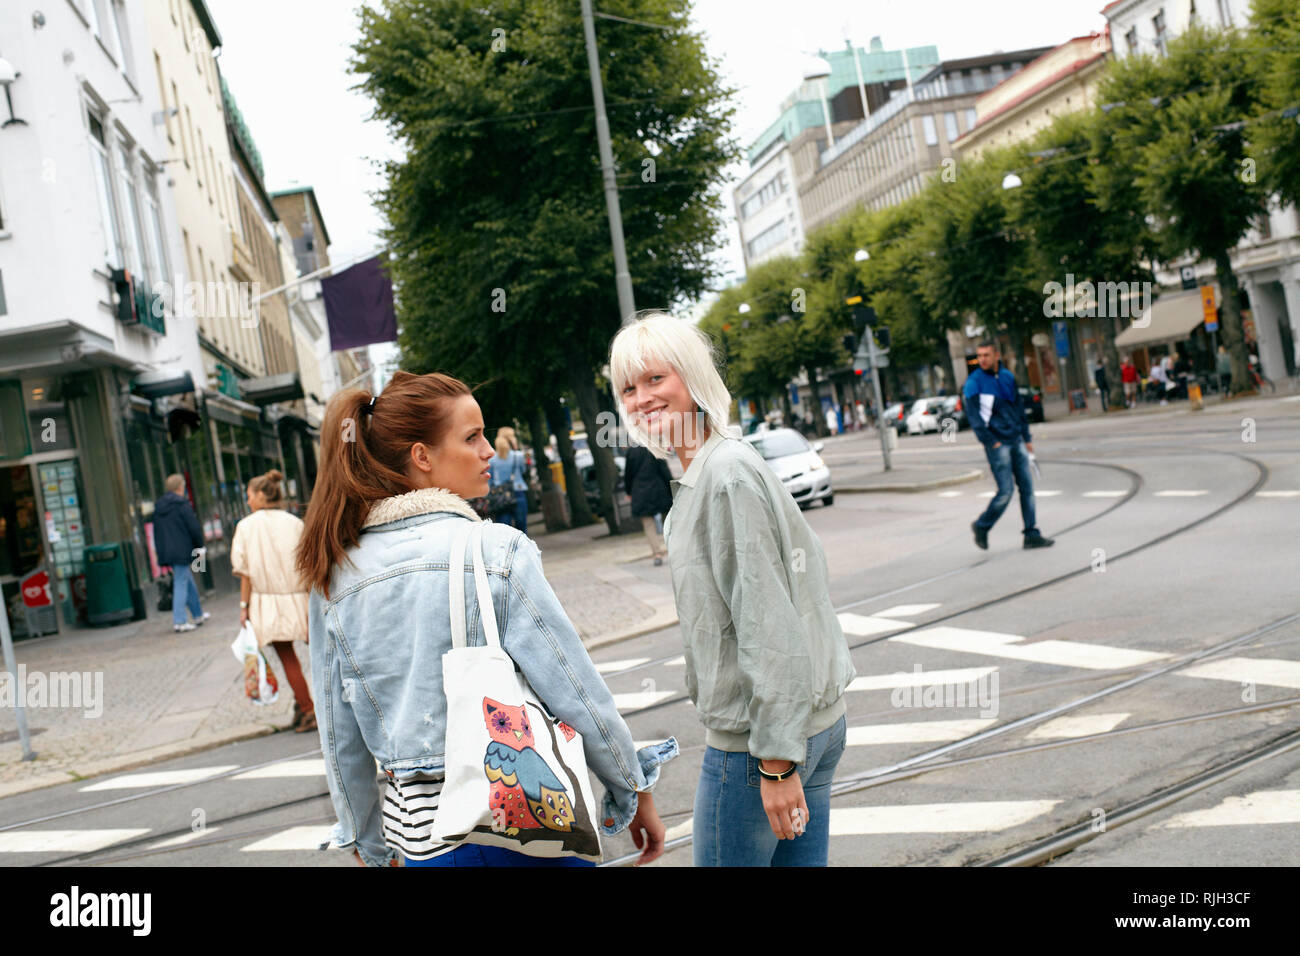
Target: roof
[[311, 194], [206, 21], [1047, 82], [972, 62]]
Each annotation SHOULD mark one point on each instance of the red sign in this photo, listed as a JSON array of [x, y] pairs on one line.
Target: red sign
[[36, 590]]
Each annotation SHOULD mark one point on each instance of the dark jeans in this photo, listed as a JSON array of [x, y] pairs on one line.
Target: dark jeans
[[1010, 462], [516, 517]]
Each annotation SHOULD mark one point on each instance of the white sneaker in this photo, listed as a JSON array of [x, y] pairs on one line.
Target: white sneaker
[[187, 626], [201, 621]]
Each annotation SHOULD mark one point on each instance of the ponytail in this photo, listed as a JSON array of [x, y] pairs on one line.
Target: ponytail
[[365, 445], [269, 485]]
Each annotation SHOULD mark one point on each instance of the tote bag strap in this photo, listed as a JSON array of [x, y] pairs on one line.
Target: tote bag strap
[[487, 614], [456, 582]]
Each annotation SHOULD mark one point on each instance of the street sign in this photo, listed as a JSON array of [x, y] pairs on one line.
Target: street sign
[[853, 300], [1188, 276], [1061, 332], [1208, 308]]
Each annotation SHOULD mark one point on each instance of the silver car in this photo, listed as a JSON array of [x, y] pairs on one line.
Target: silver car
[[797, 464]]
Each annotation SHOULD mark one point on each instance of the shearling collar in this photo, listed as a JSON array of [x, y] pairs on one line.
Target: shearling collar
[[419, 502]]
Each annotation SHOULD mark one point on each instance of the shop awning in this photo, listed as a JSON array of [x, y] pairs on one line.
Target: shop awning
[[159, 383], [284, 387], [1172, 319], [56, 347]]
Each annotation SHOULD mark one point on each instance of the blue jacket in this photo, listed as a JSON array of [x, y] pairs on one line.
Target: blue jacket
[[377, 646], [176, 532], [993, 408]]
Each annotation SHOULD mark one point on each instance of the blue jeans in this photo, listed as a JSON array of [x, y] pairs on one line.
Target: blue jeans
[[731, 827], [185, 592], [521, 511], [1008, 462], [471, 854]]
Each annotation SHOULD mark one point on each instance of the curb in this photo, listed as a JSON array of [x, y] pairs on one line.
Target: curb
[[140, 758], [907, 488]]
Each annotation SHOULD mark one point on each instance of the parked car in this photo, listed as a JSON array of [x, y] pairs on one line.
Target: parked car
[[954, 410], [894, 417], [797, 464], [924, 415], [1032, 401]]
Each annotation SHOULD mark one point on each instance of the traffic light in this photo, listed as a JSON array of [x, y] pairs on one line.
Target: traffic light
[[864, 316], [850, 343], [882, 337]]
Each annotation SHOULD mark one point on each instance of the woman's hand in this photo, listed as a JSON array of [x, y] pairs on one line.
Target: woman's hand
[[243, 616], [647, 829], [782, 799]]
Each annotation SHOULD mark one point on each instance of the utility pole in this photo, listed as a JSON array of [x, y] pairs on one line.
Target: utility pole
[[622, 277], [868, 357]]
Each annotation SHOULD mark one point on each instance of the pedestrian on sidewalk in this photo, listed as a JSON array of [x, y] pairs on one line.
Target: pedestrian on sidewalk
[[1103, 385], [1223, 368], [389, 499], [508, 469], [272, 592], [647, 480], [178, 539], [767, 663], [997, 417], [1128, 374]]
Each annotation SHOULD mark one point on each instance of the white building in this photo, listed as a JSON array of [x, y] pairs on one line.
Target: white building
[[86, 230], [1267, 262], [767, 208]]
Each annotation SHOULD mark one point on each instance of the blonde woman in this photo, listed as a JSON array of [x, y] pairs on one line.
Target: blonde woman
[[508, 469], [272, 594], [766, 661]]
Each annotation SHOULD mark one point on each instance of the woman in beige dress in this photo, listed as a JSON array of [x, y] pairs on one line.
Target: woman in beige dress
[[272, 594]]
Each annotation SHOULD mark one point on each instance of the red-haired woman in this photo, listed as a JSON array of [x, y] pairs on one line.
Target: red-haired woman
[[395, 473]]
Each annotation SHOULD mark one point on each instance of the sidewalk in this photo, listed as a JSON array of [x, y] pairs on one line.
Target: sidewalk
[[166, 694]]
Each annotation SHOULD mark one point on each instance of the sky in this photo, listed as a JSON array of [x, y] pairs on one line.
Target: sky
[[286, 64]]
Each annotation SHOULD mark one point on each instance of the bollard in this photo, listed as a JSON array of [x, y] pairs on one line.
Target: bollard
[[1194, 396]]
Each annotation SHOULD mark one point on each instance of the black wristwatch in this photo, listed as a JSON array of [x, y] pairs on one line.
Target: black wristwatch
[[777, 776]]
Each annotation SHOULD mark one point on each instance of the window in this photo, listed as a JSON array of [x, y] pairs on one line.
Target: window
[[198, 158], [931, 134], [93, 15], [1158, 22], [172, 5], [157, 248], [1263, 226], [950, 125], [187, 136], [212, 183], [176, 105], [119, 40], [970, 117], [955, 83], [1131, 40], [771, 189], [769, 238], [136, 258], [104, 187], [185, 28], [1225, 12], [995, 74]]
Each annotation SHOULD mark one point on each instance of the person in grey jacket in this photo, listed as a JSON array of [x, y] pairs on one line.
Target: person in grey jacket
[[767, 664], [396, 473]]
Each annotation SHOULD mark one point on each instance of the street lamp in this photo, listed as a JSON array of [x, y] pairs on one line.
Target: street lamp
[[744, 308], [818, 69], [861, 255], [7, 76], [1011, 181]]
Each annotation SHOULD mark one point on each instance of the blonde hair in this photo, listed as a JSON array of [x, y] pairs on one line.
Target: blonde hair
[[174, 483], [502, 444], [657, 336]]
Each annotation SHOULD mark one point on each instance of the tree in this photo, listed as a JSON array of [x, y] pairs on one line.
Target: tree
[[1179, 129], [1276, 142], [495, 215]]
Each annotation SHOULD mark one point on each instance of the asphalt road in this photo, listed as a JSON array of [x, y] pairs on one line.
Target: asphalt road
[[1175, 537]]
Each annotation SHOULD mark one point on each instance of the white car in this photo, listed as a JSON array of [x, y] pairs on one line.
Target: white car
[[796, 463], [924, 416]]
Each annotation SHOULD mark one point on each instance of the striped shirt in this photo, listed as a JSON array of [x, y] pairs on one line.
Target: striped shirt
[[408, 811]]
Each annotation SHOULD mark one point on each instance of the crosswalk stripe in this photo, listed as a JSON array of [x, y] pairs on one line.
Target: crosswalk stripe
[[1278, 494], [997, 644], [1271, 672], [293, 838], [1180, 494], [951, 494], [610, 666], [906, 610], [961, 675], [986, 494], [158, 778], [680, 830], [1104, 494], [1047, 494], [184, 838], [860, 625], [314, 767], [65, 841], [1065, 727], [1263, 806], [977, 817], [641, 698], [916, 732], [678, 661]]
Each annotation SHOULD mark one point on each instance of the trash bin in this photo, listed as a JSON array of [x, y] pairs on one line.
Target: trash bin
[[108, 585], [557, 474]]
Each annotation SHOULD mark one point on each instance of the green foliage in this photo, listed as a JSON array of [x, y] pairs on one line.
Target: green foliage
[[1275, 143]]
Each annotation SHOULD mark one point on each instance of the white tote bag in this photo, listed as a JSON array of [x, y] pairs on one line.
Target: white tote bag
[[516, 777]]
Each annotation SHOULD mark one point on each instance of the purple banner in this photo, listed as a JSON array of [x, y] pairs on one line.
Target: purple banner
[[359, 306]]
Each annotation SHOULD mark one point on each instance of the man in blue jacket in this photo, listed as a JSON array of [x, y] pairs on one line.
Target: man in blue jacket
[[177, 539], [993, 409]]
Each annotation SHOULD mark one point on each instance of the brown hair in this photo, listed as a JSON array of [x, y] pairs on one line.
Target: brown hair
[[269, 485], [364, 452]]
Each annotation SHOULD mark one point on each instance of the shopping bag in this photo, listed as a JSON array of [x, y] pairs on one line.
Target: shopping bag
[[515, 776], [260, 685]]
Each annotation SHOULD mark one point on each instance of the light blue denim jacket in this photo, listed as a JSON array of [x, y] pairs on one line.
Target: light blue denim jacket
[[377, 646]]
